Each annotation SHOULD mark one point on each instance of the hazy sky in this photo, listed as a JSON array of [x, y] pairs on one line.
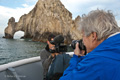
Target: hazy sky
[[16, 8]]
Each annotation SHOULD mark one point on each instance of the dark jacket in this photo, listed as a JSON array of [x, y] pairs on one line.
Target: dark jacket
[[59, 64], [103, 63]]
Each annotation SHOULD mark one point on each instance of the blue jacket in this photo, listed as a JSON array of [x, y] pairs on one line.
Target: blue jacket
[[103, 63]]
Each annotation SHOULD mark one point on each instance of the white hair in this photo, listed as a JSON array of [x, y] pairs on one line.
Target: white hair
[[99, 21]]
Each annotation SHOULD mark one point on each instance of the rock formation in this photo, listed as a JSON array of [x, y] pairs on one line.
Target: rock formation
[[48, 16]]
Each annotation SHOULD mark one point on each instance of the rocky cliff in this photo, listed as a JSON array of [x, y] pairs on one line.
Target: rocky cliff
[[48, 16]]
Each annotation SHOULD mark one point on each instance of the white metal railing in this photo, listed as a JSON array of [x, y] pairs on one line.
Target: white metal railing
[[18, 63]]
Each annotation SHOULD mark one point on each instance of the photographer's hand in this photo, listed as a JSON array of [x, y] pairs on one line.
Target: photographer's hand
[[54, 54], [78, 52]]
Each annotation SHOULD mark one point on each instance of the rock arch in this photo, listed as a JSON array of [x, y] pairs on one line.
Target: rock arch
[[18, 35], [48, 16], [12, 28]]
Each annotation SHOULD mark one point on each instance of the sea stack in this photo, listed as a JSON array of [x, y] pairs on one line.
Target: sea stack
[[48, 16]]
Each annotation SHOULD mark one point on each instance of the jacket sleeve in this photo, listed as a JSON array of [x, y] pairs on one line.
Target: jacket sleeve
[[46, 61], [82, 69], [73, 63]]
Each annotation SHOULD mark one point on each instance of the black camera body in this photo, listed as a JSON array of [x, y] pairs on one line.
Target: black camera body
[[59, 46], [81, 45]]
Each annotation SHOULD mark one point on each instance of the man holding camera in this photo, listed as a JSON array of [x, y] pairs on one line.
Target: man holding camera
[[101, 37], [53, 58], [46, 56]]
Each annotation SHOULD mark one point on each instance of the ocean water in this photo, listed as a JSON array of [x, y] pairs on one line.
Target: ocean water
[[17, 49]]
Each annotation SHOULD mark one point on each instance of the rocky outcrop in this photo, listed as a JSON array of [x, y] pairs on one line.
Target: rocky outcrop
[[9, 31], [48, 16]]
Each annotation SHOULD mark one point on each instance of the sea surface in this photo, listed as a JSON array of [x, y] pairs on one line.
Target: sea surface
[[17, 49]]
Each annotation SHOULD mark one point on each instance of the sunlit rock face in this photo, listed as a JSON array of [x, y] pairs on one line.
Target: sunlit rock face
[[48, 16]]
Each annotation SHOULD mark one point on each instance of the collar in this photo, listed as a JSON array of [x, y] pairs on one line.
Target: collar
[[113, 34]]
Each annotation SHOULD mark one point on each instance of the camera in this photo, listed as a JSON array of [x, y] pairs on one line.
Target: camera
[[81, 45], [59, 46]]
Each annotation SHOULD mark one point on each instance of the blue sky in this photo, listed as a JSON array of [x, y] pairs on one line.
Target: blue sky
[[16, 8]]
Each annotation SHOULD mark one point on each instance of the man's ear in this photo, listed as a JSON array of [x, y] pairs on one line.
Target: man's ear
[[94, 36]]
